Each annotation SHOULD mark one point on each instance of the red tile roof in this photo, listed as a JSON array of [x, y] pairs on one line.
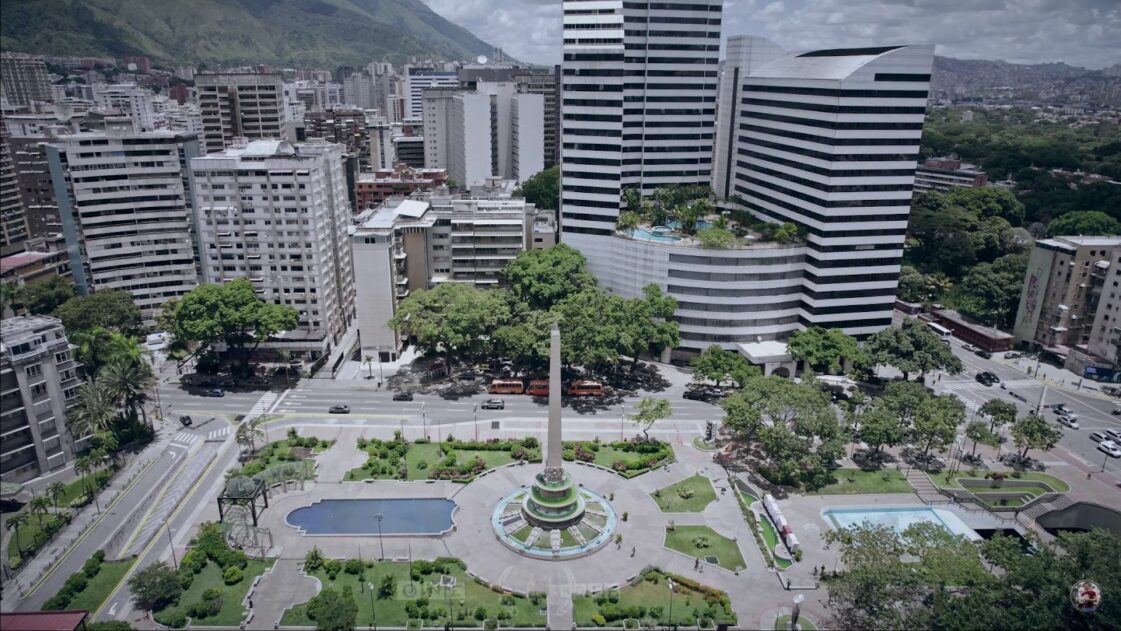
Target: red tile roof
[[43, 620]]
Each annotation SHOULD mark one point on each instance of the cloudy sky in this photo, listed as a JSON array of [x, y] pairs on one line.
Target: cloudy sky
[[1080, 32]]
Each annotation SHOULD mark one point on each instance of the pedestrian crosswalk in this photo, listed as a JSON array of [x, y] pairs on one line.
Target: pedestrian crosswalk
[[184, 439], [218, 435], [263, 404]]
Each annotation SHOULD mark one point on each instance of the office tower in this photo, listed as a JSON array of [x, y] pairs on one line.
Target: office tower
[[493, 131], [39, 381], [13, 220], [828, 140], [131, 100], [277, 213], [23, 79], [126, 212], [547, 84], [359, 91], [417, 80], [638, 107], [239, 105]]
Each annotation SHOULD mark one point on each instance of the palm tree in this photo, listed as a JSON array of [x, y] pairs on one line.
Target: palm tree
[[95, 410], [128, 382], [369, 361], [107, 443], [14, 522], [55, 491], [248, 433], [39, 505], [82, 466], [284, 356]]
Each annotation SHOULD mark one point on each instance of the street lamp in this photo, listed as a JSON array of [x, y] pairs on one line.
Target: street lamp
[[171, 542], [475, 412], [424, 420], [672, 586], [381, 541], [1104, 460], [373, 614], [796, 611], [622, 417]]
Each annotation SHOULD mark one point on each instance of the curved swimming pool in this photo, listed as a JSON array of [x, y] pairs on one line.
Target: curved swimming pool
[[400, 516]]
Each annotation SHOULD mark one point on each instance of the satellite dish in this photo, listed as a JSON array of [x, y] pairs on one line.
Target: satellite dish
[[482, 59]]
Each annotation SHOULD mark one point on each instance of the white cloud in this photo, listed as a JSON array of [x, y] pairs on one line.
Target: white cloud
[[1079, 32]]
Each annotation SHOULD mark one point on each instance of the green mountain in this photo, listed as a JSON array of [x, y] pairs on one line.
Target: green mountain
[[307, 33]]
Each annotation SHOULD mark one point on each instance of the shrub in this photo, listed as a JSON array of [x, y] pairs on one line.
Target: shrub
[[58, 602], [481, 613], [530, 442], [176, 619], [91, 567], [685, 493], [599, 620], [99, 555], [422, 465], [313, 560], [362, 443], [354, 566], [209, 604], [194, 561], [626, 515], [232, 575], [75, 584]]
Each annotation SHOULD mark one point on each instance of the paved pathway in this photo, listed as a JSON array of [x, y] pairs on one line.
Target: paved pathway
[[280, 588], [342, 456]]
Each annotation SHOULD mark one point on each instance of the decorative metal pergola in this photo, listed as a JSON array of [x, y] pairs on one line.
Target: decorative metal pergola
[[244, 492]]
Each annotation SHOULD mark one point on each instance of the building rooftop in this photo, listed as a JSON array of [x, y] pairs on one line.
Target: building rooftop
[[833, 64], [18, 329], [23, 258], [44, 620], [1093, 241], [763, 352]]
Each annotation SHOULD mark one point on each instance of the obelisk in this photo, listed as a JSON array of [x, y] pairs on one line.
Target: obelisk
[[554, 461]]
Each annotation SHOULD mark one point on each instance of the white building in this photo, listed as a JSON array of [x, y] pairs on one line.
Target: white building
[[130, 99], [240, 105], [23, 79], [277, 214], [492, 131], [126, 212], [417, 80], [411, 244]]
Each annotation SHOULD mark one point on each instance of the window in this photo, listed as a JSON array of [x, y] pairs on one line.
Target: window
[[34, 371], [38, 390]]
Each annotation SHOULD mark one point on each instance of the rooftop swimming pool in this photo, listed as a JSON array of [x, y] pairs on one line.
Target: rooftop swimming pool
[[655, 234], [411, 516], [898, 518]]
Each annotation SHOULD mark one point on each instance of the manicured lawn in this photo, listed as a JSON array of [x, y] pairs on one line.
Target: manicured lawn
[[952, 482], [690, 495], [430, 455], [420, 459], [522, 533], [804, 624], [770, 537], [32, 535], [463, 600], [77, 488], [652, 597], [684, 540], [854, 481], [232, 612], [101, 585], [567, 540]]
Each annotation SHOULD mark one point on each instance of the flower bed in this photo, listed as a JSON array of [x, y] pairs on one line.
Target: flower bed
[[627, 458]]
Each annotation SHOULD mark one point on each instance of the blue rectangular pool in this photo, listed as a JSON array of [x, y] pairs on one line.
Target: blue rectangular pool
[[409, 516], [898, 519]]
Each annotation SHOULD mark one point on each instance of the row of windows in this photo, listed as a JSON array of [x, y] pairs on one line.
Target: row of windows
[[706, 159], [668, 112], [836, 109], [689, 259], [863, 94], [642, 98], [688, 34], [672, 6], [733, 276], [734, 323], [739, 307], [837, 203], [637, 19], [826, 172], [832, 157], [811, 122], [835, 142], [827, 188], [595, 190], [648, 137], [587, 175]]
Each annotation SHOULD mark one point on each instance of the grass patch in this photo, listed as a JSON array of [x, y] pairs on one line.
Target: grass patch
[[627, 458], [521, 534], [648, 601], [280, 452], [952, 482], [77, 489], [690, 495], [770, 538], [567, 540], [701, 541], [33, 535], [855, 481], [398, 460], [782, 621], [463, 601], [232, 612], [101, 585], [991, 500]]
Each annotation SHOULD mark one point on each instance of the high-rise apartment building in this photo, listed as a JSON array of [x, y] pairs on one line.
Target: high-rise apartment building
[[13, 220], [39, 381], [23, 79], [1105, 332], [277, 213], [244, 105], [130, 99], [125, 208], [33, 179], [417, 80]]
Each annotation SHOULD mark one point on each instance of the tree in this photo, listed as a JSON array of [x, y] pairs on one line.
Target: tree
[[988, 201], [332, 611], [111, 309], [978, 432], [542, 188], [95, 409], [912, 285], [716, 238], [542, 278], [936, 421], [155, 587], [128, 382], [593, 326], [452, 318], [82, 466], [903, 398], [38, 507], [1084, 223], [232, 313], [879, 426], [627, 222], [823, 349], [99, 346], [912, 347], [1033, 432], [649, 325], [55, 491], [650, 411], [719, 365], [14, 523], [249, 431], [990, 292], [999, 411], [525, 340], [45, 296], [168, 319]]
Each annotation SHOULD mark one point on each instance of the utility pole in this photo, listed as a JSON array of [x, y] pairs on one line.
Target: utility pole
[[672, 585], [424, 420], [171, 542], [475, 412], [381, 541]]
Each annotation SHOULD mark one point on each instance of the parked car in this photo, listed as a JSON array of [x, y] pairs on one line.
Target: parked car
[[340, 409], [1114, 435], [494, 404], [403, 395], [215, 392], [1110, 448], [1116, 410], [1060, 408], [1098, 437], [969, 347], [696, 394], [1069, 420], [983, 354], [1013, 355], [185, 421]]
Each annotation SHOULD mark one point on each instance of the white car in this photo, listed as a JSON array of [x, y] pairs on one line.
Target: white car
[[1069, 420], [969, 347], [1098, 437], [1114, 435], [1110, 448]]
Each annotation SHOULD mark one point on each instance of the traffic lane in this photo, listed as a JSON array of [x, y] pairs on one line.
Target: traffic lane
[[512, 405], [147, 485]]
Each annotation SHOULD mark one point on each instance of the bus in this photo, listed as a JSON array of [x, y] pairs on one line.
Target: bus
[[506, 386], [585, 389], [941, 331], [538, 388]]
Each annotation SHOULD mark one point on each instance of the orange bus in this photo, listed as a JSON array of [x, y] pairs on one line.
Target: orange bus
[[506, 386], [585, 389], [538, 388]]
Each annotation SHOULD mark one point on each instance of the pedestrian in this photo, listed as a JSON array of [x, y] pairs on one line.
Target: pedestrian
[[696, 564], [632, 551]]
